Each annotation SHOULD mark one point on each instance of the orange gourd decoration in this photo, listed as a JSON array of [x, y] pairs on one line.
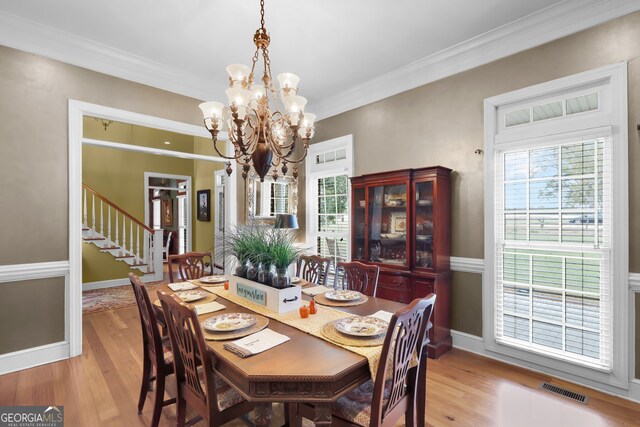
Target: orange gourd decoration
[[312, 307], [304, 311]]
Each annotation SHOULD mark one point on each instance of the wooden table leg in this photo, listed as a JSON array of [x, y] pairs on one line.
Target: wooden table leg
[[323, 414], [262, 413]]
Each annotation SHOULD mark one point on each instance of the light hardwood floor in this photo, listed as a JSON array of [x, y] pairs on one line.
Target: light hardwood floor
[[100, 388]]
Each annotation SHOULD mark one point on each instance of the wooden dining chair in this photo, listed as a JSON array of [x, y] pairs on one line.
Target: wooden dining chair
[[383, 402], [191, 265], [198, 386], [157, 353], [357, 276], [314, 269]]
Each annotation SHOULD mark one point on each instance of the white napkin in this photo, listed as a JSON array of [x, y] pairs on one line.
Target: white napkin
[[315, 290], [256, 343], [382, 315], [182, 286], [209, 307]]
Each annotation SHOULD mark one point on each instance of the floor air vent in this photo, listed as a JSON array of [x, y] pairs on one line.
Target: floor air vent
[[564, 392]]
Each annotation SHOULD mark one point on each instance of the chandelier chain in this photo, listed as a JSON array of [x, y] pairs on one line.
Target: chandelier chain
[[262, 15]]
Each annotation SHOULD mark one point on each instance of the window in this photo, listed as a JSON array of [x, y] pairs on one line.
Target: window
[[555, 288], [279, 198], [329, 165], [553, 255]]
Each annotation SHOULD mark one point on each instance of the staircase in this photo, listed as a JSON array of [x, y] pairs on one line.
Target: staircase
[[118, 233]]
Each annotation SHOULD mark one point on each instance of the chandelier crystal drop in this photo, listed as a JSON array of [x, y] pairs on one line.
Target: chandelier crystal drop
[[262, 136]]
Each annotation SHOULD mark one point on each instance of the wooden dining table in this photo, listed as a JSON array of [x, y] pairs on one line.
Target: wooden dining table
[[304, 369]]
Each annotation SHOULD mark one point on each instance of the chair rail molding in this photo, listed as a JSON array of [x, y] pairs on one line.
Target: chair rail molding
[[36, 270], [467, 265]]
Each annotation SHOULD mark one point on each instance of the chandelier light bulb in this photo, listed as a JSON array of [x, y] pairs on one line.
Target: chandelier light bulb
[[294, 103], [238, 96], [308, 120], [238, 72], [258, 91], [212, 110], [288, 81]]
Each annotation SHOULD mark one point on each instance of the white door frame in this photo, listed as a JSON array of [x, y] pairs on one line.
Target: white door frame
[[77, 110], [227, 207], [186, 178]]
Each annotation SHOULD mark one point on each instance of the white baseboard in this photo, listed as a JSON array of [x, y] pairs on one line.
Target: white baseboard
[[467, 342], [475, 344], [24, 359]]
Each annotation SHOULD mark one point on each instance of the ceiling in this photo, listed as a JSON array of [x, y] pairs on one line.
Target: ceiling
[[333, 45]]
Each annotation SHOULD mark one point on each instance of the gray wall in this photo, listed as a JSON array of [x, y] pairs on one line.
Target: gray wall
[[442, 124], [34, 172]]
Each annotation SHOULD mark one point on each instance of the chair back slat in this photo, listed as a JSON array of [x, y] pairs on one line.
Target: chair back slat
[[357, 276], [314, 269], [184, 331], [402, 346], [190, 266], [150, 333]]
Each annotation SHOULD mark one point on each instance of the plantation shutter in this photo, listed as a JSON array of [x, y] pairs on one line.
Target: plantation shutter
[[553, 286]]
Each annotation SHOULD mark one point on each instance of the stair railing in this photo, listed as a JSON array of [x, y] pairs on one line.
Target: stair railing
[[127, 229]]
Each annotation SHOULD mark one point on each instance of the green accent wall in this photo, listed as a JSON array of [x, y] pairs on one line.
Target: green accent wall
[[119, 176], [204, 179]]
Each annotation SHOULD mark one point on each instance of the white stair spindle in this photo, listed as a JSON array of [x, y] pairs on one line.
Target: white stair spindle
[[124, 234], [117, 237], [145, 239], [138, 242], [101, 218], [109, 222], [131, 237], [84, 207], [93, 212]]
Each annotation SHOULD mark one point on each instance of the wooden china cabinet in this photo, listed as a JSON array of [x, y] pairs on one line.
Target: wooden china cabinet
[[401, 222]]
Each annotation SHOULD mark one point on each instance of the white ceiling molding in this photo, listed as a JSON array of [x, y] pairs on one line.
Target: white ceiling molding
[[548, 24], [29, 36], [554, 22]]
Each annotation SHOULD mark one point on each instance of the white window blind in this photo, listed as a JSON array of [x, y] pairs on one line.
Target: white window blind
[[553, 285]]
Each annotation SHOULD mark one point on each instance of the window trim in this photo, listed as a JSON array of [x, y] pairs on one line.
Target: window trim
[[315, 171], [614, 79]]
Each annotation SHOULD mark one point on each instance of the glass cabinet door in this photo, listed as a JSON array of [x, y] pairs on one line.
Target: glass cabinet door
[[359, 218], [387, 212], [424, 225]]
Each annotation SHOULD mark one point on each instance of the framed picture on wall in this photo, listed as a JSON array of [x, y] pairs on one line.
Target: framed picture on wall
[[204, 208], [166, 209]]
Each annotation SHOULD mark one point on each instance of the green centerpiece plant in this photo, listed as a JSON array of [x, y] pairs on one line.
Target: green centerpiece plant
[[282, 253], [258, 250]]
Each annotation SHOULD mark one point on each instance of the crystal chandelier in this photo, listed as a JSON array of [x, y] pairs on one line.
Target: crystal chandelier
[[262, 136]]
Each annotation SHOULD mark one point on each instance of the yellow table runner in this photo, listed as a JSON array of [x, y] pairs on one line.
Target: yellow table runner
[[311, 325]]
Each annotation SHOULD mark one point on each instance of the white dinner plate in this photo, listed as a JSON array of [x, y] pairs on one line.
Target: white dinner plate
[[343, 295], [296, 279], [213, 279], [190, 296], [361, 326], [229, 322]]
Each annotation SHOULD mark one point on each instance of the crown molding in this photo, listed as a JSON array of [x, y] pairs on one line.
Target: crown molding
[[554, 22], [26, 35], [562, 19]]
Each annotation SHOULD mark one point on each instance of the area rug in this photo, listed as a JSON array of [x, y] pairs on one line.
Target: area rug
[[111, 298]]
